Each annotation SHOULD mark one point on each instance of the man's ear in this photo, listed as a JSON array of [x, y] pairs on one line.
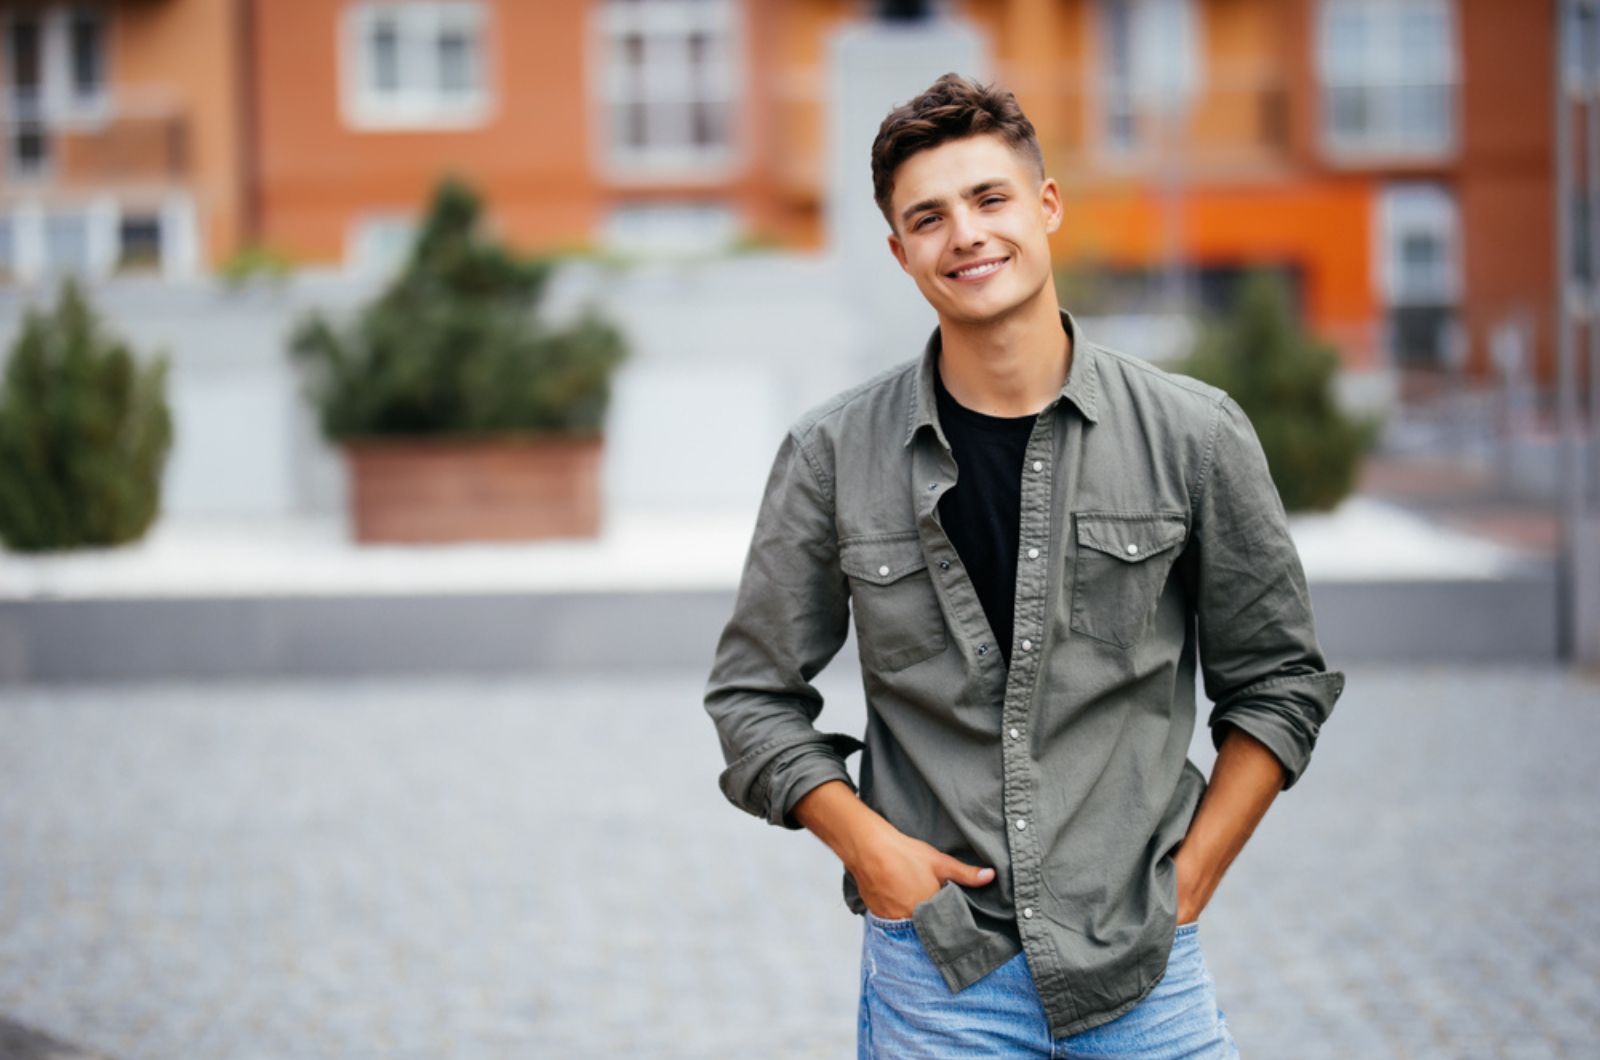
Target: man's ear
[[1050, 204], [898, 251]]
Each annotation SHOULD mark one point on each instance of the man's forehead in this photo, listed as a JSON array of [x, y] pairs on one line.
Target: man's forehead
[[957, 166]]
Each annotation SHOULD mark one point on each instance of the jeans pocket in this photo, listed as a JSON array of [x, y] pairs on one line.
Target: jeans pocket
[[890, 923]]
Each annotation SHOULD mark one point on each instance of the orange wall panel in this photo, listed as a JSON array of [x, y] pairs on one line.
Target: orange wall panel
[[183, 54], [1324, 228], [1507, 172], [530, 158]]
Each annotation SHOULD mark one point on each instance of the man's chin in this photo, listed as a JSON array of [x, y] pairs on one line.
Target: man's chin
[[978, 312]]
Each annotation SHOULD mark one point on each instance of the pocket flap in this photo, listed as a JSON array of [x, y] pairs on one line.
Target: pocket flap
[[882, 561], [1130, 538]]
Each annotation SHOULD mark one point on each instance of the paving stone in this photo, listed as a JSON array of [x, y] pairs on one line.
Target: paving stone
[[496, 868]]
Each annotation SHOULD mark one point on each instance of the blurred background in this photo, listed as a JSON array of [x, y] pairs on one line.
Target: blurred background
[[390, 386]]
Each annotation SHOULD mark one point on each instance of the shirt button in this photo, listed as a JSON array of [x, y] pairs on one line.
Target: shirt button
[[944, 564], [1027, 645], [1133, 550], [1021, 824], [1027, 911], [884, 570], [1015, 733], [1033, 553], [983, 649], [933, 485], [1038, 465]]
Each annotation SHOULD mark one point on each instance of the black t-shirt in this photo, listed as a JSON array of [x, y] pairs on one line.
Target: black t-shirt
[[983, 512]]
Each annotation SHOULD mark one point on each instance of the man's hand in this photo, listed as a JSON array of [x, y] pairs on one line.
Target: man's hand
[[892, 870], [898, 872]]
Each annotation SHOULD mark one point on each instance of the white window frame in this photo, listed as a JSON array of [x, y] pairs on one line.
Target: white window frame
[[418, 103], [1386, 75], [1426, 208], [94, 106], [102, 216], [662, 81], [58, 105], [1165, 72]]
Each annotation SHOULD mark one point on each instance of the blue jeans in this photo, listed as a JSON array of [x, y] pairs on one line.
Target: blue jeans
[[908, 1013]]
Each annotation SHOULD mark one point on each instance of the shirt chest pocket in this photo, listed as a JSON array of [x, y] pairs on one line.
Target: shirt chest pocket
[[1121, 565], [898, 620]]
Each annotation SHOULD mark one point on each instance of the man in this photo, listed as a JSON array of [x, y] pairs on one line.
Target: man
[[1040, 539]]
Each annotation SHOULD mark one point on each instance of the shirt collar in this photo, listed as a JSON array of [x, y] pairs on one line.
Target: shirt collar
[[1079, 387]]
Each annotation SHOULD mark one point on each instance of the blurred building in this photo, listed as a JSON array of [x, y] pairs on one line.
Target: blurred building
[[124, 131], [1393, 156]]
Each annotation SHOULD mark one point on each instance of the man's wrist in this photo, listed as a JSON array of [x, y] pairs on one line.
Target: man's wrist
[[836, 815]]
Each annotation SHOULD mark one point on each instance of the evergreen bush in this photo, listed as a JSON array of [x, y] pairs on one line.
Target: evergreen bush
[[1283, 379], [84, 433], [455, 344]]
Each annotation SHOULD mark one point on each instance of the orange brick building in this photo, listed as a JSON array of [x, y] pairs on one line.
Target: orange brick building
[[1395, 156]]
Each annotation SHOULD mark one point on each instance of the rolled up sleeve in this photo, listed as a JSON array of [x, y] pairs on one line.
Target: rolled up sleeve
[[1261, 665], [790, 618]]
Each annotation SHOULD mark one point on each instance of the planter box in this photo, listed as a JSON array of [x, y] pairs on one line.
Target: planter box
[[499, 489]]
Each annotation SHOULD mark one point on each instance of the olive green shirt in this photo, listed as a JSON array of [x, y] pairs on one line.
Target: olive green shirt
[[1152, 541]]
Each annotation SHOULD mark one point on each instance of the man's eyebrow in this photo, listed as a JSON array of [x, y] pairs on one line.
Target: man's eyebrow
[[970, 193]]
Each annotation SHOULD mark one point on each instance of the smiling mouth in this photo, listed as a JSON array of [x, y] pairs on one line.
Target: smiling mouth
[[978, 270]]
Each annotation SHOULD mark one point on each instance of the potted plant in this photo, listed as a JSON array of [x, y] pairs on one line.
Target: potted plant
[[462, 414], [84, 433]]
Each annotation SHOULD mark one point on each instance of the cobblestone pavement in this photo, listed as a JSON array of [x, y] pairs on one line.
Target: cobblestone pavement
[[486, 868]]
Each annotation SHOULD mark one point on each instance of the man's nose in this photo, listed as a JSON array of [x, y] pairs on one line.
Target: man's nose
[[964, 230]]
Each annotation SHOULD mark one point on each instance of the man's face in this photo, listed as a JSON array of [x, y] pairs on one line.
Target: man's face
[[972, 225]]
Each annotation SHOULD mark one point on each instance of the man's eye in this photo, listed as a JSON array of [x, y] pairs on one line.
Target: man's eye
[[993, 198], [923, 220]]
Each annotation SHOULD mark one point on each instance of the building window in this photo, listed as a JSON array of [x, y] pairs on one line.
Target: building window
[[1419, 270], [1575, 33], [1150, 67], [26, 145], [669, 84], [97, 238], [139, 243], [86, 57], [54, 62], [66, 243], [415, 65], [1389, 74]]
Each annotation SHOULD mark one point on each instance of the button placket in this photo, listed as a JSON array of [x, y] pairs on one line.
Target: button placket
[[934, 473], [1029, 606]]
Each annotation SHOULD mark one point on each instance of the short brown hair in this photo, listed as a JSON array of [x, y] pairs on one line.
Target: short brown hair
[[952, 108]]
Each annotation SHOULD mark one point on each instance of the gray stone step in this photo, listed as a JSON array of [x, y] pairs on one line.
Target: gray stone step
[[1508, 619]]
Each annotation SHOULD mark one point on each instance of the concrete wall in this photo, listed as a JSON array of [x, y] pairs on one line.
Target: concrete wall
[[725, 354]]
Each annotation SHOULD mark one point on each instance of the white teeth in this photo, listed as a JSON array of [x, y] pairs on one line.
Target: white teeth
[[979, 270]]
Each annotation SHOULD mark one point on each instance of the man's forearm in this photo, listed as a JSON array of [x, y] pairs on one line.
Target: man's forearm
[[838, 817], [1244, 781]]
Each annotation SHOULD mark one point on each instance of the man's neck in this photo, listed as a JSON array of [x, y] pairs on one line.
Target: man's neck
[[1009, 367]]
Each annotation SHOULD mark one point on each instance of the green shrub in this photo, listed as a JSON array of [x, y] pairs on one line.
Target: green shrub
[[1283, 379], [455, 344], [84, 433]]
